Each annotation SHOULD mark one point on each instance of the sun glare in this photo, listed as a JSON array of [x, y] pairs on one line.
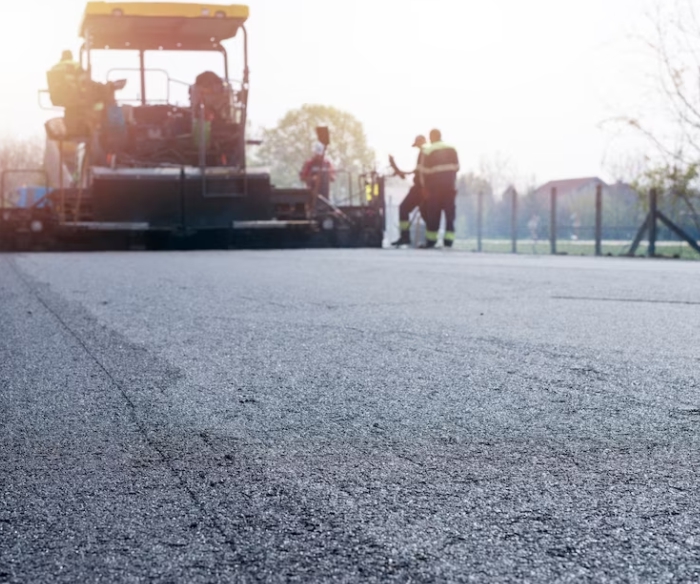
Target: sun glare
[[530, 79]]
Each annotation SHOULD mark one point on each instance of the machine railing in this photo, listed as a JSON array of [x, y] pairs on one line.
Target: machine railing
[[49, 108], [170, 82], [18, 171]]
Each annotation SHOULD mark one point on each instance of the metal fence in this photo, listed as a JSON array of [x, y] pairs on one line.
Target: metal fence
[[595, 225]]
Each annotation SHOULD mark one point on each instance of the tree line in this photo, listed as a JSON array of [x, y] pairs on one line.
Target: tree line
[[18, 153], [671, 165]]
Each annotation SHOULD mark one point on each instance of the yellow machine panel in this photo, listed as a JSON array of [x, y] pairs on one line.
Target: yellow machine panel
[[160, 25]]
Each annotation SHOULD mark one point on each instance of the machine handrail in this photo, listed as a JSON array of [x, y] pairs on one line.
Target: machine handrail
[[156, 70], [51, 108], [150, 69]]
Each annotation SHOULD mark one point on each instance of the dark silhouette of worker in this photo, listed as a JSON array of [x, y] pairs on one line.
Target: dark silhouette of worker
[[318, 173], [439, 168], [414, 199], [210, 90], [67, 63], [66, 80], [84, 100], [68, 89]]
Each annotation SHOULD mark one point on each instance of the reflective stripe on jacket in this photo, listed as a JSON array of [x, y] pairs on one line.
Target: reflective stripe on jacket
[[440, 166]]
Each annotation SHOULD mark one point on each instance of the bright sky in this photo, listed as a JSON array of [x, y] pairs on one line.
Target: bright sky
[[526, 80]]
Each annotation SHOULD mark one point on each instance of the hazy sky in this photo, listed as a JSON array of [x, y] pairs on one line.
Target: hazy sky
[[531, 80]]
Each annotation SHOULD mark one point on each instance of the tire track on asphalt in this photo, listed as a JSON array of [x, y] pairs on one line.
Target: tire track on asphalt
[[133, 410], [262, 533]]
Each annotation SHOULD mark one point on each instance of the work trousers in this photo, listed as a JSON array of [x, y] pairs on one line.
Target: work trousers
[[413, 199], [441, 200]]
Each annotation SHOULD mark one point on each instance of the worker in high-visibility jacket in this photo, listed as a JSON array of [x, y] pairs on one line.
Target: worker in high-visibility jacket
[[67, 63], [67, 81], [439, 168], [69, 88], [84, 100], [70, 85]]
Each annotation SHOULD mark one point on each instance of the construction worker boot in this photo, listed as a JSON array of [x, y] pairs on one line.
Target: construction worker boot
[[405, 239], [427, 245]]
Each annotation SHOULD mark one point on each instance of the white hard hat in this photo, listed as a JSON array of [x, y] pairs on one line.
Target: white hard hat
[[318, 148]]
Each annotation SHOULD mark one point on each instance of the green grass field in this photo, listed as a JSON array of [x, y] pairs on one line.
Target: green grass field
[[670, 249]]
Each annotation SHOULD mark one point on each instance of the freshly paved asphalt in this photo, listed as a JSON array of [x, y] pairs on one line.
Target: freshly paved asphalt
[[348, 416]]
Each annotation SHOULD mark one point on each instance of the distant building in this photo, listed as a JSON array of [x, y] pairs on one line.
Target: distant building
[[622, 209], [570, 187], [577, 187]]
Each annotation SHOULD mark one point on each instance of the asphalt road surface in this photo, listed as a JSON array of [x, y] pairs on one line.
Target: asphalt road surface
[[348, 416]]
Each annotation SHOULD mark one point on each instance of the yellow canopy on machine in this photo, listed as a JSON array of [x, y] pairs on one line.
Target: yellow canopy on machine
[[160, 25]]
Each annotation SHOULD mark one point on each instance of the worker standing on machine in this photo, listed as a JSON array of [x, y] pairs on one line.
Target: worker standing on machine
[[84, 100], [318, 173], [67, 82], [415, 197], [72, 74], [440, 165]]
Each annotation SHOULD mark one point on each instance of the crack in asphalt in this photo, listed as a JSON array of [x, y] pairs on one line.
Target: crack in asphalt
[[143, 430], [406, 446], [628, 300]]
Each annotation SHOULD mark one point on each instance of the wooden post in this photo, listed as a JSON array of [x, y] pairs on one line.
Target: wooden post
[[653, 215], [479, 219], [142, 70], [514, 221], [553, 222], [62, 214], [599, 220]]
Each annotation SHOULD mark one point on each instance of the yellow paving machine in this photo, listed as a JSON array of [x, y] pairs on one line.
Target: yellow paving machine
[[163, 173]]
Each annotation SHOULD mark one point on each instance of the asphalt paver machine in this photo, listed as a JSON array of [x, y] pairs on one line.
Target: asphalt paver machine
[[172, 173]]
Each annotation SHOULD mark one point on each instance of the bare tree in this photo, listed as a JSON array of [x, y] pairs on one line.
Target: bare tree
[[627, 167], [19, 154], [499, 171], [674, 41], [674, 130]]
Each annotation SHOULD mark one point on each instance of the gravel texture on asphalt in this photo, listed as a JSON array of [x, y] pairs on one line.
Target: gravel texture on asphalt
[[348, 416]]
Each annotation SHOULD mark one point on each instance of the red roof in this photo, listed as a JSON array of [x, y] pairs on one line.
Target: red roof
[[570, 185]]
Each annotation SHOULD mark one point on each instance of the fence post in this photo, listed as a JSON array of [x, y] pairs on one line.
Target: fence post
[[553, 221], [514, 221], [479, 219], [599, 220], [653, 215], [60, 180]]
